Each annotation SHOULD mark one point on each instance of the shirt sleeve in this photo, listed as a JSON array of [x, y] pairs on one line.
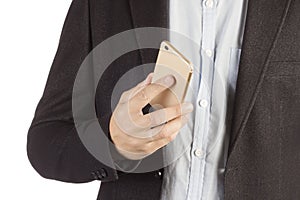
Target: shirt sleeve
[[53, 145]]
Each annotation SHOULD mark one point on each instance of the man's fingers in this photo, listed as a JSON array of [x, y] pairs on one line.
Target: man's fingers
[[168, 133], [165, 132], [130, 93], [147, 81], [147, 142], [149, 92], [166, 114], [163, 142]]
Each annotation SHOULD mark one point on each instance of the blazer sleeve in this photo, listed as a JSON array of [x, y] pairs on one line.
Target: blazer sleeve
[[53, 145]]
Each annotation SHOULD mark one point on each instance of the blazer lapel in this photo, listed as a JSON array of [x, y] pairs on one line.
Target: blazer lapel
[[149, 13], [263, 24]]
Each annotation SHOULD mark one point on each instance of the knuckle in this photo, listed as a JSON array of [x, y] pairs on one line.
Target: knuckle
[[169, 138], [142, 121], [173, 136], [142, 95], [178, 110], [164, 133], [147, 148], [146, 119], [133, 143], [124, 94], [155, 119], [177, 125]]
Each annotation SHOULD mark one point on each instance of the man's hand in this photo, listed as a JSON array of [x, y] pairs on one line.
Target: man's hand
[[136, 135]]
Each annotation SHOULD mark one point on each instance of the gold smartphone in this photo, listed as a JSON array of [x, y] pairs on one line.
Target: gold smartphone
[[171, 61]]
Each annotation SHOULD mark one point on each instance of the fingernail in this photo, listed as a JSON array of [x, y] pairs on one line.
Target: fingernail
[[169, 80], [187, 107]]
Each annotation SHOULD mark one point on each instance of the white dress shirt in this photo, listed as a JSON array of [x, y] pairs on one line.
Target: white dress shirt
[[217, 26]]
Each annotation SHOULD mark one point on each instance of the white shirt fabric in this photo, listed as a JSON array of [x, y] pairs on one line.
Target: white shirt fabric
[[217, 26]]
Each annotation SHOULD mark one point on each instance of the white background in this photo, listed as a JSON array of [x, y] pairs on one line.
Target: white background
[[29, 35]]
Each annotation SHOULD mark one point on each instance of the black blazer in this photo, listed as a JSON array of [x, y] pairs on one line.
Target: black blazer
[[264, 152]]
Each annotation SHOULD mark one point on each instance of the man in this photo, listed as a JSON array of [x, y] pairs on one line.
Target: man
[[262, 156]]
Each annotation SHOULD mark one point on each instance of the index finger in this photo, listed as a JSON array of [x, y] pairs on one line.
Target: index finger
[[149, 92], [129, 93]]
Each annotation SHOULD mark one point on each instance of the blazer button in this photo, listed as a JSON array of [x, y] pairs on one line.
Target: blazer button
[[102, 173], [95, 176]]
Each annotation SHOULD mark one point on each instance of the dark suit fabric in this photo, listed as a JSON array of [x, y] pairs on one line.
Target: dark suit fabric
[[264, 152]]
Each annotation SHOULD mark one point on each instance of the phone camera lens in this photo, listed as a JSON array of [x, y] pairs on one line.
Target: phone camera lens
[[166, 48]]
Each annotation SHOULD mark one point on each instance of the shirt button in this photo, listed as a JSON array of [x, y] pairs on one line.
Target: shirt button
[[203, 103], [208, 52], [198, 152], [209, 3]]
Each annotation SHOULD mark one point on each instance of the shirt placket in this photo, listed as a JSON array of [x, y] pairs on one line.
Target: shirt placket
[[202, 111]]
